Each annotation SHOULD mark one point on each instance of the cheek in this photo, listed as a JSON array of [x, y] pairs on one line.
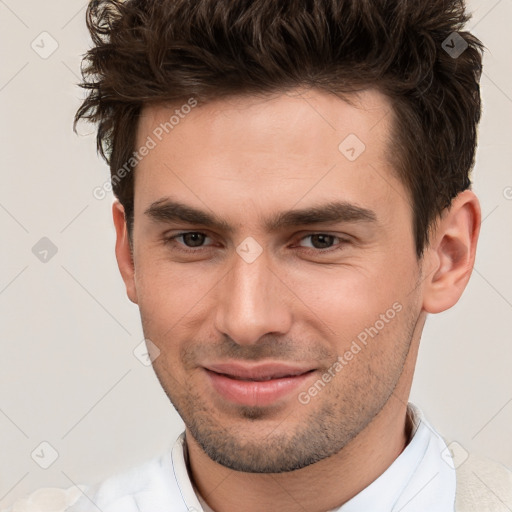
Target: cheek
[[170, 295], [364, 314], [348, 299]]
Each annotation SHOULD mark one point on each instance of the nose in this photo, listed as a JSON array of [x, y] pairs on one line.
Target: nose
[[252, 302]]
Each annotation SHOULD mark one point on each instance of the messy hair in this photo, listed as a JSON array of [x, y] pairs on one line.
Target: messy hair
[[415, 52]]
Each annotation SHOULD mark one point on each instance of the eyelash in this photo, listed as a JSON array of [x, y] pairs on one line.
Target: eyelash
[[182, 248]]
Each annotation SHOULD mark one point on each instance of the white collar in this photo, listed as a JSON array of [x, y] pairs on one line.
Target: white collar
[[419, 480]]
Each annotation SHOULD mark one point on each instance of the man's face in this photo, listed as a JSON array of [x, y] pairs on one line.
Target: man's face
[[281, 334]]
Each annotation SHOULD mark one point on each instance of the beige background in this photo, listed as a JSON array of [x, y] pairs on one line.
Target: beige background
[[68, 376]]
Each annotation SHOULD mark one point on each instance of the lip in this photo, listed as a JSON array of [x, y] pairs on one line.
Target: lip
[[256, 385]]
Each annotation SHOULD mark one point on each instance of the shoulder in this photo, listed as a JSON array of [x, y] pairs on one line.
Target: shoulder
[[483, 485], [48, 498], [117, 493]]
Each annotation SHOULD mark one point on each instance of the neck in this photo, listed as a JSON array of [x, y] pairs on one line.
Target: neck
[[319, 487]]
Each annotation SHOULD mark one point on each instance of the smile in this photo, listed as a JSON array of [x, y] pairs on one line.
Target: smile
[[259, 385]]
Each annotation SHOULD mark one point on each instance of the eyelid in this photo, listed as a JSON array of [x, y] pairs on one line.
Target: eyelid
[[343, 241], [344, 238], [172, 239]]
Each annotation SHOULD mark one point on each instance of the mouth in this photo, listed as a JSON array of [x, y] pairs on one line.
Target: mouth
[[258, 385], [260, 379]]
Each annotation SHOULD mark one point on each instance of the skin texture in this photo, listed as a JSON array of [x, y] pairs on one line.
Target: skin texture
[[244, 160]]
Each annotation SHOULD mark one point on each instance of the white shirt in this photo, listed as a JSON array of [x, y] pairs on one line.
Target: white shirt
[[419, 480]]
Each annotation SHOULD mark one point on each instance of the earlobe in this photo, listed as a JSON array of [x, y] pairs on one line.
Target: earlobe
[[451, 253], [123, 251]]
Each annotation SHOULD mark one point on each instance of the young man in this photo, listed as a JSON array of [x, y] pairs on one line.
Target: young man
[[293, 199]]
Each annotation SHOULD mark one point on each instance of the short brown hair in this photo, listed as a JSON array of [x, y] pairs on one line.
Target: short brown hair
[[165, 51]]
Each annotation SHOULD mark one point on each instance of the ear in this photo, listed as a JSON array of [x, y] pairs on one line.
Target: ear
[[123, 251], [451, 253]]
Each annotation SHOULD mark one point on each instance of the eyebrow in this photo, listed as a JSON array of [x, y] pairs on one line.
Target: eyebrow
[[168, 210]]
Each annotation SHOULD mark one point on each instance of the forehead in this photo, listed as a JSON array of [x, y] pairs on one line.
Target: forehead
[[299, 116], [304, 146]]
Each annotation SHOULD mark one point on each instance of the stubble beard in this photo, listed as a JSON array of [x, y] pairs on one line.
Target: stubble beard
[[336, 416]]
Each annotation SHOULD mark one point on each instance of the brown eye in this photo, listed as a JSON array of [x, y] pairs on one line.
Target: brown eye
[[188, 241], [193, 239], [322, 244], [322, 241]]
